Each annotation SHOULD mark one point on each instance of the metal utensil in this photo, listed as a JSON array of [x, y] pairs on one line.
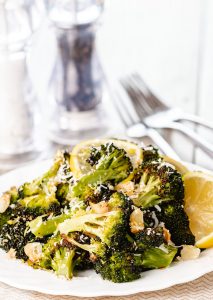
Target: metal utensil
[[156, 118], [155, 105], [135, 129]]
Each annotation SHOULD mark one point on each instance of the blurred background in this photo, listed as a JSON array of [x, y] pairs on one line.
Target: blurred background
[[67, 56]]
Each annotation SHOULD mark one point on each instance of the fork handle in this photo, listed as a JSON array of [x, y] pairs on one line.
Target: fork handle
[[196, 138], [196, 119], [162, 143]]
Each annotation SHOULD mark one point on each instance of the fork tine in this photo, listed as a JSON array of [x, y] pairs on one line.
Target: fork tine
[[144, 99], [136, 97], [124, 109], [121, 112], [140, 99], [154, 102]]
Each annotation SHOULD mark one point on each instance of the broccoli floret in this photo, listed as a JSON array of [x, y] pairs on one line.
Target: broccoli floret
[[151, 154], [114, 166], [62, 262], [40, 227], [62, 192], [14, 235], [4, 217], [45, 181], [58, 174], [108, 228], [61, 256], [95, 154], [43, 226], [46, 194], [126, 266], [9, 198], [119, 267], [101, 193], [149, 237], [155, 258], [38, 204], [103, 226], [176, 220], [159, 183]]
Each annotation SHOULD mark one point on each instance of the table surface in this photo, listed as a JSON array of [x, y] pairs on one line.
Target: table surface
[[171, 44]]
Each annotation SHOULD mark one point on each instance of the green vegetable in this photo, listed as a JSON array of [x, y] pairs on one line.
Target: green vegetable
[[176, 220], [159, 183], [62, 262], [41, 228], [155, 258], [127, 266], [113, 166]]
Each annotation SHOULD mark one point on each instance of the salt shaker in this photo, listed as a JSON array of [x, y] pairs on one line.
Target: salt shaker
[[17, 97], [75, 90]]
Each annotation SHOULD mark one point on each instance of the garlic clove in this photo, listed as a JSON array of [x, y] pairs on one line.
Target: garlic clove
[[4, 202], [136, 221], [33, 251]]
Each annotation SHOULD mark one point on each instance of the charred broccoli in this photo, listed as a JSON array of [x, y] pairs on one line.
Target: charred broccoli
[[119, 267], [126, 266], [176, 220], [113, 166], [159, 183], [151, 154], [61, 256], [107, 229], [14, 235], [149, 237]]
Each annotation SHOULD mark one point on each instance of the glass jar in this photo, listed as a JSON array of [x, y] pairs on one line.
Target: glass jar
[[75, 91], [18, 99]]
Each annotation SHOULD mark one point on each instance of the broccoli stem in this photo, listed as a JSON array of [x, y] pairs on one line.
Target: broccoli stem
[[42, 228], [155, 258], [89, 223], [62, 262]]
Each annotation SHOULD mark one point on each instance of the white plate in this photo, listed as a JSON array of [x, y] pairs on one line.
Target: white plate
[[88, 283]]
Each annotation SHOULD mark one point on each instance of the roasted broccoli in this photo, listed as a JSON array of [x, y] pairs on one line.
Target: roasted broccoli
[[155, 258], [176, 220], [62, 262], [61, 256], [107, 229], [41, 226], [159, 183], [7, 203], [151, 154], [113, 166], [46, 194], [14, 235], [149, 237], [126, 266], [119, 267], [124, 215]]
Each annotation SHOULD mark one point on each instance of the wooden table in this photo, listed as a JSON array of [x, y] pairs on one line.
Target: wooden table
[[170, 43]]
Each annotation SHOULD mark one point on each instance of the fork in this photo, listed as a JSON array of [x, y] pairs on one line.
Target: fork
[[156, 116], [157, 106], [134, 129]]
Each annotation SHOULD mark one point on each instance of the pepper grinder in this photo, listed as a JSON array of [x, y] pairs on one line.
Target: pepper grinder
[[75, 109], [17, 96]]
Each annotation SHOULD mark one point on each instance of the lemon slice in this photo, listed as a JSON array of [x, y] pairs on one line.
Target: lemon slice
[[199, 205], [178, 165], [81, 152], [205, 242]]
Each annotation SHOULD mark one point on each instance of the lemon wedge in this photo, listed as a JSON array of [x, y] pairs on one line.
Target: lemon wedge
[[199, 206], [205, 242], [178, 165], [81, 152]]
